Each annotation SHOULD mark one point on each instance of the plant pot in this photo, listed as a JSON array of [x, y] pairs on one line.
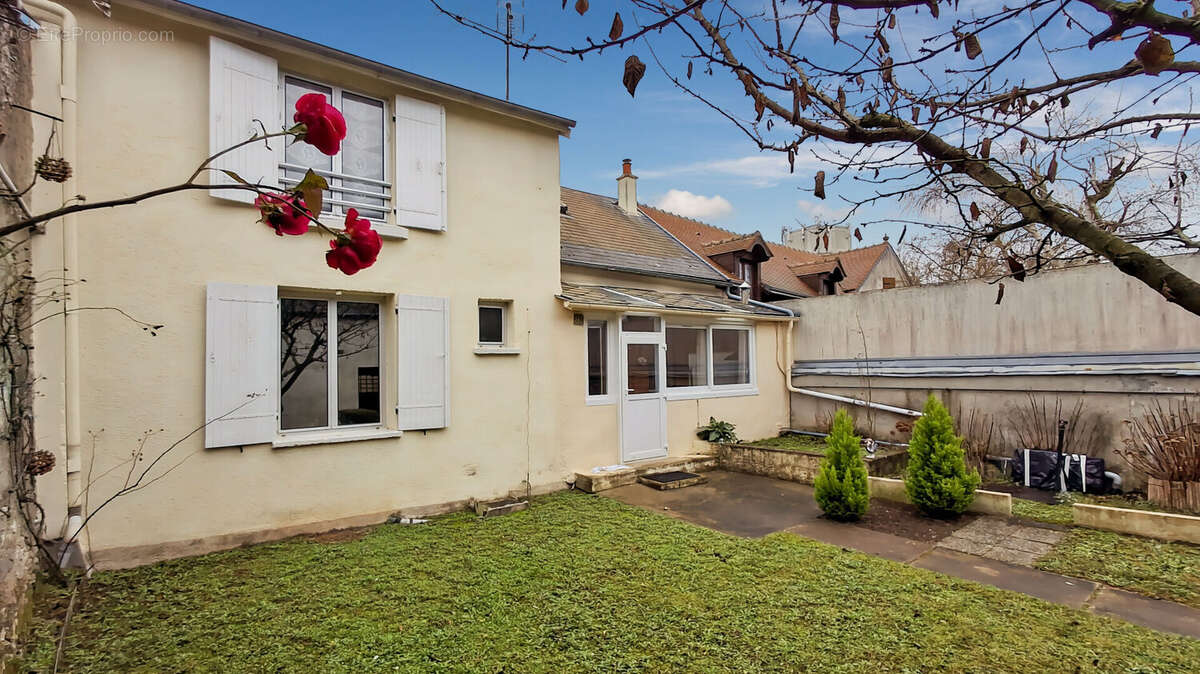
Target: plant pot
[[1175, 494]]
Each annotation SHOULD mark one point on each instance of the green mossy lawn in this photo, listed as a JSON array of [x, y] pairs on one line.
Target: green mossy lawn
[[576, 583], [1154, 568], [793, 442]]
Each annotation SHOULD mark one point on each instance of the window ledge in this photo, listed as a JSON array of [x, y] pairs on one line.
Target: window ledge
[[385, 230], [332, 437], [599, 400], [712, 393], [496, 351]]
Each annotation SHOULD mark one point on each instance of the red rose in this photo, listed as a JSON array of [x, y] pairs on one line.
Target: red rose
[[324, 126], [283, 212], [356, 248]]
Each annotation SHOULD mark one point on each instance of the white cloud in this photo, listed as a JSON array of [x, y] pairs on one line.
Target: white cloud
[[697, 206], [759, 170], [818, 212]]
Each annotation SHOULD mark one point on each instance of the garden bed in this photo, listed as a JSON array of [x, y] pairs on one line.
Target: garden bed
[[905, 520], [799, 465]]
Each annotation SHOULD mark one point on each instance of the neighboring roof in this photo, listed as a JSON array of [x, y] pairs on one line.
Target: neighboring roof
[[597, 233], [736, 243], [776, 273], [858, 263], [255, 33], [817, 267], [652, 300]]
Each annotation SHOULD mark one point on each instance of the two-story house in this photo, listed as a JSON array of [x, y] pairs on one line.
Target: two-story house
[[233, 388]]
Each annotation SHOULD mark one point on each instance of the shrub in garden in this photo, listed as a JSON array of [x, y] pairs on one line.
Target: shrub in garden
[[937, 479], [841, 485]]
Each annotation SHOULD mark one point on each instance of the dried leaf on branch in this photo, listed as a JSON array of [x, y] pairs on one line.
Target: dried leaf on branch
[[581, 6], [819, 185], [1155, 54], [971, 44], [634, 71], [618, 27]]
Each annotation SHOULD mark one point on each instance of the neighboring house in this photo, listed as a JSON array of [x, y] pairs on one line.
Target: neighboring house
[[671, 340], [778, 272], [475, 359]]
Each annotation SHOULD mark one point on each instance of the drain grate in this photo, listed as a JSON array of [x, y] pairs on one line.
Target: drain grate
[[671, 476], [674, 479]]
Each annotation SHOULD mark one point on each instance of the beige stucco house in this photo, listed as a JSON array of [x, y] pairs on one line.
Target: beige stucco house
[[507, 338]]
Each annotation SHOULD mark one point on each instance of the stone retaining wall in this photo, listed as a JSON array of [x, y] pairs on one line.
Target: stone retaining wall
[[797, 465]]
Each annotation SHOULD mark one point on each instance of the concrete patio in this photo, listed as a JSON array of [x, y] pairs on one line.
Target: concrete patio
[[751, 506]]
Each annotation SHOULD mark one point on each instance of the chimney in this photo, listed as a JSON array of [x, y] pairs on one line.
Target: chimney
[[627, 188]]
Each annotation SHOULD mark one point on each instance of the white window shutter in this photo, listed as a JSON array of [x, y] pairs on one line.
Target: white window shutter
[[243, 86], [241, 377], [420, 164], [424, 362]]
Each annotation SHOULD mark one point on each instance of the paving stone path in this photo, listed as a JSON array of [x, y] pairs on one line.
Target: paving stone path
[[997, 539]]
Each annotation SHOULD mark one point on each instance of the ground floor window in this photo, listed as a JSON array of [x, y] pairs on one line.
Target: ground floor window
[[687, 357], [731, 356], [329, 371], [708, 359], [597, 358]]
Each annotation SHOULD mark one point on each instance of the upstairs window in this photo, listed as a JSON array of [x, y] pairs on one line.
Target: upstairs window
[[357, 175]]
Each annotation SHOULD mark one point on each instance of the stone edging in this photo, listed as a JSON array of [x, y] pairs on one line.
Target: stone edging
[[1164, 526], [986, 502]]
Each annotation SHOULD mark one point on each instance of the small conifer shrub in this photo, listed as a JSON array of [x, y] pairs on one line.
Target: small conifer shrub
[[937, 479], [841, 485]]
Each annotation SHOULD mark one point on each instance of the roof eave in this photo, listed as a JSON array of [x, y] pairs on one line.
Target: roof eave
[[254, 32], [721, 283]]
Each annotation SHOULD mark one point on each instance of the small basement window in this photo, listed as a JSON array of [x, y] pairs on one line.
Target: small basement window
[[493, 320]]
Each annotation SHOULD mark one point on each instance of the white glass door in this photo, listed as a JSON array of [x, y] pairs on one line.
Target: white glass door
[[643, 395]]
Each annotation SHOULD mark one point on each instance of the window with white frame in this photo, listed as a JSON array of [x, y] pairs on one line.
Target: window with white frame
[[708, 360], [597, 358], [493, 319], [357, 175], [329, 374], [731, 356], [687, 357]]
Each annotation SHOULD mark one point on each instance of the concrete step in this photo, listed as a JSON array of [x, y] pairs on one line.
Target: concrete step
[[604, 480]]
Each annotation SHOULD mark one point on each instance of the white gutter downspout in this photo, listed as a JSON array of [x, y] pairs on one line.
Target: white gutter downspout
[[55, 13], [787, 375]]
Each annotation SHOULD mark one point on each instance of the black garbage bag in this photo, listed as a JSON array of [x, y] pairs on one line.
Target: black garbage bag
[[1039, 468]]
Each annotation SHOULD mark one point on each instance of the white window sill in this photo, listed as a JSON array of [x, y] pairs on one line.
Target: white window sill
[[496, 351], [331, 437], [732, 392], [599, 400], [385, 230]]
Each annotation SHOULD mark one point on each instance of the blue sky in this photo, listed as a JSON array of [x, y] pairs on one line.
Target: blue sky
[[676, 143]]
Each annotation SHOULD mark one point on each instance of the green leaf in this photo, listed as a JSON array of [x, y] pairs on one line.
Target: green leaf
[[312, 188]]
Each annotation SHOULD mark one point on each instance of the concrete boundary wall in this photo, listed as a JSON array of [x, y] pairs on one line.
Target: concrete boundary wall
[[1164, 526], [1055, 315]]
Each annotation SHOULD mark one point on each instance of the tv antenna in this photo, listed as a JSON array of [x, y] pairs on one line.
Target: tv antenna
[[510, 19]]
